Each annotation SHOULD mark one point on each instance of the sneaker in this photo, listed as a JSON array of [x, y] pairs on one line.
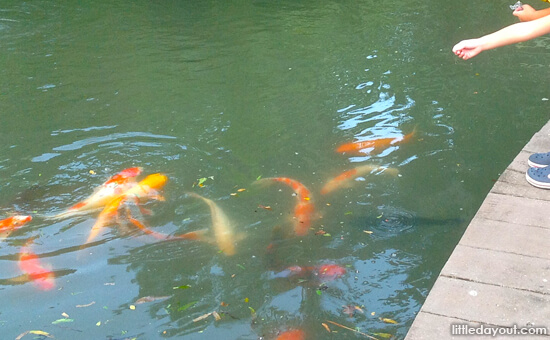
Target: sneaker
[[539, 160], [539, 177]]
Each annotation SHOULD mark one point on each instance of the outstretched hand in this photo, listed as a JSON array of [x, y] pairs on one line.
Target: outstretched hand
[[526, 13], [467, 49]]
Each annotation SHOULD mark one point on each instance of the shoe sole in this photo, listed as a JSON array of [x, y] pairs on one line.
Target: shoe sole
[[536, 165], [535, 183]]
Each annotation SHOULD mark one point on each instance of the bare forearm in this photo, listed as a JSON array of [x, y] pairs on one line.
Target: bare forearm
[[515, 33]]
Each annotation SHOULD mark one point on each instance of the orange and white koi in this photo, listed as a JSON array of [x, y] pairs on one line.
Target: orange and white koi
[[377, 145], [304, 209], [10, 224], [109, 190], [30, 264], [221, 226], [145, 189], [345, 179]]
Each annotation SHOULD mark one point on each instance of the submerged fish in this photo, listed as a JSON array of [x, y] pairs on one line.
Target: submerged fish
[[323, 273], [377, 145], [346, 178], [10, 224], [221, 225], [293, 334], [108, 191], [30, 264], [304, 208]]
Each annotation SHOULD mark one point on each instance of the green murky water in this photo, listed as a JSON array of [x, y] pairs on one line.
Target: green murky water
[[234, 91]]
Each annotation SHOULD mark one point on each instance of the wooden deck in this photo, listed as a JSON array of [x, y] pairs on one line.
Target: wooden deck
[[499, 273]]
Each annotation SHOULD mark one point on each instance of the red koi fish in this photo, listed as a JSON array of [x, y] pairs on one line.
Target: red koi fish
[[145, 189], [377, 145], [304, 208], [323, 273], [30, 264], [293, 334], [345, 179], [329, 272], [10, 224], [109, 190]]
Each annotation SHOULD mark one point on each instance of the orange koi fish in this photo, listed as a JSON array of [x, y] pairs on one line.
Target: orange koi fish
[[325, 272], [293, 334], [30, 264], [304, 208], [345, 179], [145, 189], [221, 225], [113, 187], [377, 145], [10, 224]]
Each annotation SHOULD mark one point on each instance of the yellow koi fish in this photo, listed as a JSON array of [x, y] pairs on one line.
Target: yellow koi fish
[[221, 225]]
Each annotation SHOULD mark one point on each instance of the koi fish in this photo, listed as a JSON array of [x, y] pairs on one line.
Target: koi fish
[[30, 264], [323, 273], [221, 225], [293, 334], [146, 188], [329, 272], [10, 224], [304, 209], [345, 179], [377, 145], [113, 187]]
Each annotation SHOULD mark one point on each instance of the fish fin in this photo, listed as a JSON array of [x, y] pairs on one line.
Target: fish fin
[[195, 235]]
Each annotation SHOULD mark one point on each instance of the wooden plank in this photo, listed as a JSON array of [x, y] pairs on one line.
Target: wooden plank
[[499, 268]]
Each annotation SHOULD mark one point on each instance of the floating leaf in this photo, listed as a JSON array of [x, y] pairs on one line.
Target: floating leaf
[[246, 300], [259, 177], [61, 321], [150, 299], [252, 311], [241, 266], [386, 320], [241, 190], [98, 323], [182, 287], [202, 317], [65, 315], [87, 305], [46, 334], [319, 292], [326, 327], [327, 234], [367, 231], [132, 307], [187, 305], [383, 335], [217, 316], [266, 207], [348, 213]]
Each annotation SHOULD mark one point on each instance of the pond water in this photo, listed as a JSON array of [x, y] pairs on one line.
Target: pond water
[[216, 95]]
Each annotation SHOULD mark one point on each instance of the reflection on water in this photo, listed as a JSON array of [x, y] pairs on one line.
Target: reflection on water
[[218, 96]]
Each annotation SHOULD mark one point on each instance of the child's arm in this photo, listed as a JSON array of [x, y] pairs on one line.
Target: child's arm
[[528, 13], [512, 34]]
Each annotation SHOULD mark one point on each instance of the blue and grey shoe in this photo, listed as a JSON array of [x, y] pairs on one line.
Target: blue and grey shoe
[[539, 177], [539, 160]]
